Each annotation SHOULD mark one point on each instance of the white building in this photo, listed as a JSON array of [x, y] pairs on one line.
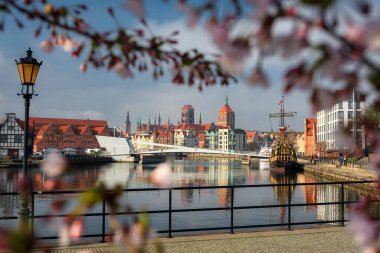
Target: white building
[[227, 139], [343, 114], [11, 138], [186, 138]]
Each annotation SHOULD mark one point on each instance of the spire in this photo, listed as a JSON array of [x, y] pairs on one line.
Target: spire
[[155, 120], [127, 118], [159, 119], [226, 100], [168, 122], [200, 118], [149, 120]]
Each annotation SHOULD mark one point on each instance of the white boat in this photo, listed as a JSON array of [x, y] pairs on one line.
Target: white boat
[[120, 149], [265, 152]]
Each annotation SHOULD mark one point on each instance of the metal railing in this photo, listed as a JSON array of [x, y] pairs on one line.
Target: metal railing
[[232, 208]]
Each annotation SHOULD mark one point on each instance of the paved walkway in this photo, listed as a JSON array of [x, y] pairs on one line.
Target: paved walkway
[[328, 239]]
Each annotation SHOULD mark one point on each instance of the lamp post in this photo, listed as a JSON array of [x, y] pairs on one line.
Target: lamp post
[[28, 70]]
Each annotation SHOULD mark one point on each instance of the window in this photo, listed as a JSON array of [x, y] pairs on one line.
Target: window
[[340, 115], [3, 138], [340, 105], [350, 115], [10, 128], [349, 104], [18, 138]]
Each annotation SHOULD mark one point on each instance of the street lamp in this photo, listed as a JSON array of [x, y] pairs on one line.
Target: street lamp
[[28, 70]]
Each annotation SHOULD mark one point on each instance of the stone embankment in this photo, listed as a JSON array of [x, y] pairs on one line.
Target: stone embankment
[[336, 173]]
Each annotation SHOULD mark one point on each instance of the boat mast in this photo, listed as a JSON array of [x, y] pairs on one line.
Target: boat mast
[[282, 115]]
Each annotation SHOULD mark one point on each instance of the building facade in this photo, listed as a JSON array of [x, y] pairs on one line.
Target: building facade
[[241, 140], [11, 138], [226, 116], [227, 139], [310, 132], [66, 133], [187, 114], [344, 114]]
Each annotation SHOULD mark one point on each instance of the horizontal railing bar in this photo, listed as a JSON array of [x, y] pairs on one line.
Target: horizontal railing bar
[[8, 218]]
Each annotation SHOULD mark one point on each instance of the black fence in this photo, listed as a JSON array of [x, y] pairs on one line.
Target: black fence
[[232, 208]]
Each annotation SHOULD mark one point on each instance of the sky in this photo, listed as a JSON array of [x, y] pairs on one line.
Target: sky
[[65, 92]]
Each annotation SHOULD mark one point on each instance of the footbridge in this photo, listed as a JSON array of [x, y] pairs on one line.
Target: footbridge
[[157, 148], [125, 147]]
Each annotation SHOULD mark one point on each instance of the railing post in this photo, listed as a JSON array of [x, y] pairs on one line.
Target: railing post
[[104, 220], [232, 210], [32, 215], [289, 208], [170, 213], [342, 204]]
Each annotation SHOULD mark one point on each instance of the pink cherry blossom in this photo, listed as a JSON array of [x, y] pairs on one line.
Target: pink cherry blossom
[[76, 229], [356, 33], [136, 7], [64, 235], [83, 67], [121, 70], [47, 46], [54, 165], [162, 175], [219, 34], [258, 77]]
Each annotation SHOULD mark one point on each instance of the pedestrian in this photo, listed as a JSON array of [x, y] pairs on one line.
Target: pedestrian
[[311, 158], [340, 159], [345, 159]]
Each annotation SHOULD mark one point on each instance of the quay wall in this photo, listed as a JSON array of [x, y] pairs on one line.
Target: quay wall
[[345, 173]]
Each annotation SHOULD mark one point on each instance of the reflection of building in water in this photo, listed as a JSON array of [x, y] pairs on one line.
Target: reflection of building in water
[[310, 191], [282, 192], [187, 195], [8, 183], [328, 193]]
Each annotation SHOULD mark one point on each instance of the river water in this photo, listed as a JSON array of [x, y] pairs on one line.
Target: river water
[[186, 172]]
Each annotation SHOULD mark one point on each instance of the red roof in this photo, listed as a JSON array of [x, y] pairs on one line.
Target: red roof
[[250, 135], [187, 107], [77, 122], [225, 108]]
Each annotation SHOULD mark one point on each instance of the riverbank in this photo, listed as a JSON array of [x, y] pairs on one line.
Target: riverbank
[[334, 172]]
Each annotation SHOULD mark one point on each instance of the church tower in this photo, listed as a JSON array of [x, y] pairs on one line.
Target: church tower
[[226, 116], [127, 124]]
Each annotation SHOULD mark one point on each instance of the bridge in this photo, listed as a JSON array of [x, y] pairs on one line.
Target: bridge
[[119, 147], [167, 148]]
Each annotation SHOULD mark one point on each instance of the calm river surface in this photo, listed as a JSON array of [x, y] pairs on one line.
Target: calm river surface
[[187, 172]]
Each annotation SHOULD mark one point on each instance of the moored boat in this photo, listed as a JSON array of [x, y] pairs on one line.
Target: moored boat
[[283, 154]]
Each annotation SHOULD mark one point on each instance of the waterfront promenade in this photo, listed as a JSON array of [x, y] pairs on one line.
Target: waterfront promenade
[[326, 239]]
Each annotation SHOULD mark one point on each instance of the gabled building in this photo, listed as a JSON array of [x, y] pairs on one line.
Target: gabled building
[[11, 137], [66, 133], [226, 116]]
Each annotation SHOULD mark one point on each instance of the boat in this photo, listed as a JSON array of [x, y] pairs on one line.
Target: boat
[[283, 156], [265, 152]]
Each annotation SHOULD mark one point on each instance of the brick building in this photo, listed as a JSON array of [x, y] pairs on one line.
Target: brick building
[[66, 133]]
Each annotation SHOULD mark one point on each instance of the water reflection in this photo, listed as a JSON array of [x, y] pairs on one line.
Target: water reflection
[[196, 172], [283, 193]]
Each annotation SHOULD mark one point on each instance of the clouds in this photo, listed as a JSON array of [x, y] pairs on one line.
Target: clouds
[[99, 94]]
